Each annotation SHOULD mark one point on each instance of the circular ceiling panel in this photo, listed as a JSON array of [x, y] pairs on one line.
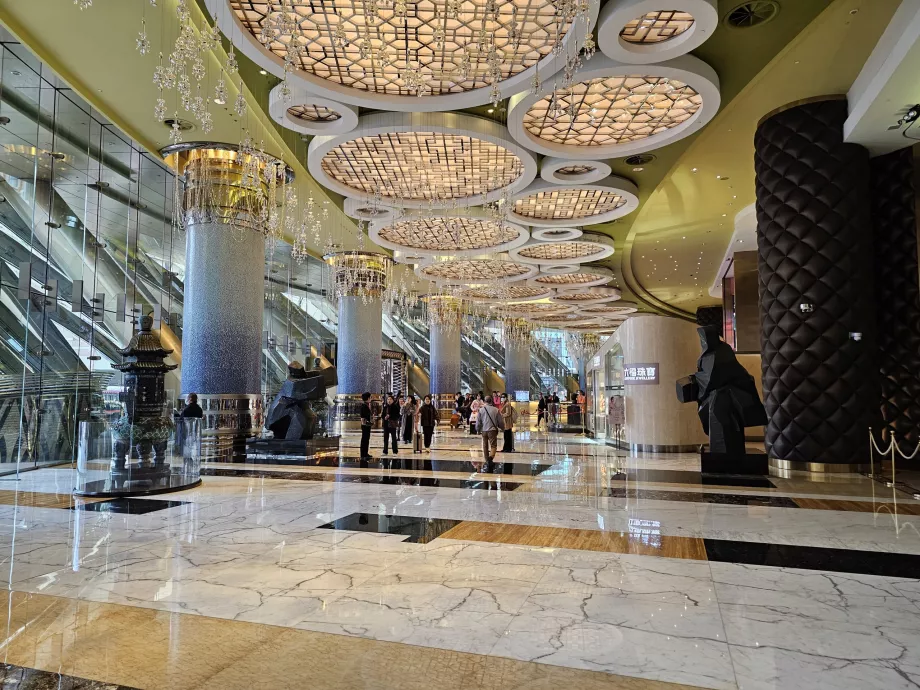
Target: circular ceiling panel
[[534, 311], [403, 55], [474, 271], [617, 110], [585, 276], [555, 234], [512, 292], [564, 171], [645, 31], [550, 205], [308, 114], [369, 211], [582, 296], [414, 160], [588, 247], [560, 320], [439, 235], [616, 310]]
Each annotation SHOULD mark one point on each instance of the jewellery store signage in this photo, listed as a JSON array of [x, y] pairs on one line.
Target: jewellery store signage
[[636, 374]]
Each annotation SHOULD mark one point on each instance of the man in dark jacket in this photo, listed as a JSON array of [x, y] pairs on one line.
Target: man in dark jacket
[[367, 423], [192, 409]]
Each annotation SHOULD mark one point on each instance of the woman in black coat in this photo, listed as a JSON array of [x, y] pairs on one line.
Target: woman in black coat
[[391, 418], [428, 417]]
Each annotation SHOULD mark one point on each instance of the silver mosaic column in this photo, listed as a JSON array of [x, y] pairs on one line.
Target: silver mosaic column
[[517, 366], [360, 341], [224, 292]]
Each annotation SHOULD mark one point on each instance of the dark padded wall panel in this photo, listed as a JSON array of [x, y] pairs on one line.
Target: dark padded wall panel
[[709, 316], [814, 244], [897, 294]]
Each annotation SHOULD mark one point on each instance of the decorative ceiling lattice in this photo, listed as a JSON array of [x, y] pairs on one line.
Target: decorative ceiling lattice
[[370, 44], [561, 318], [504, 292], [612, 110], [657, 26], [607, 310], [313, 113], [575, 170], [546, 308], [565, 204], [556, 251], [475, 270], [422, 165], [588, 295], [562, 280], [449, 234]]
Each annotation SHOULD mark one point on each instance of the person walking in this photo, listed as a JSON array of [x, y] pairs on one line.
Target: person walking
[[391, 416], [541, 410], [428, 416], [407, 419], [489, 421], [474, 413], [509, 418], [192, 409], [367, 423]]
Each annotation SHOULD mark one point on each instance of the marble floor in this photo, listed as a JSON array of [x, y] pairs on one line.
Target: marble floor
[[574, 563]]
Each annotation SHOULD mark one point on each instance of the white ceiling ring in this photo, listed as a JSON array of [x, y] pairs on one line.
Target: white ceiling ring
[[555, 234], [598, 140], [548, 205], [589, 247], [317, 115], [565, 320], [231, 26], [568, 171], [475, 270], [363, 209], [448, 234], [582, 277], [581, 297], [535, 310], [470, 131], [608, 311], [557, 269], [657, 29], [410, 258], [518, 293]]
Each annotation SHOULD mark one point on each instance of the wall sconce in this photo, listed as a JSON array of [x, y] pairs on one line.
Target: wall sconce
[[856, 336], [806, 308]]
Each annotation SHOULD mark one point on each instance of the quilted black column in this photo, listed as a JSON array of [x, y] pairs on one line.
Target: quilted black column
[[815, 272], [897, 294], [709, 316]]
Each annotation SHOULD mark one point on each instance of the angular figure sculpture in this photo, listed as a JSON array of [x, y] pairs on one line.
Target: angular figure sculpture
[[726, 394]]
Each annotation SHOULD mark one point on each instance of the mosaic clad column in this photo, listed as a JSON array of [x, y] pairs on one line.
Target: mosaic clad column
[[517, 366], [897, 294], [444, 319], [813, 237], [359, 280], [224, 289]]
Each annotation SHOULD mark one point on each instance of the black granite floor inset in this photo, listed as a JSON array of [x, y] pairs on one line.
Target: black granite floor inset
[[697, 478], [814, 558], [383, 476], [691, 497], [22, 678], [417, 530], [130, 506]]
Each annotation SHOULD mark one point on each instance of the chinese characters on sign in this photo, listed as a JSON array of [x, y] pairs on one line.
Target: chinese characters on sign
[[641, 374]]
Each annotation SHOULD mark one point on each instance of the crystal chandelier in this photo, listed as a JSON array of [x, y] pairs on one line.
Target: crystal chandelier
[[582, 345], [359, 274]]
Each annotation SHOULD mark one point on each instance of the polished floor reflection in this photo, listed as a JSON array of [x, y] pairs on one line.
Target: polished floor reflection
[[573, 564]]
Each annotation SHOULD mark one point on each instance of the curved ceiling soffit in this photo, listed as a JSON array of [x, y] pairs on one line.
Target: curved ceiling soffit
[[246, 42]]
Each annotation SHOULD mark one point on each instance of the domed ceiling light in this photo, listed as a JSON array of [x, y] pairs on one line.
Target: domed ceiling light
[[583, 276], [503, 292], [475, 271], [615, 109], [409, 56], [646, 31], [551, 205], [564, 171], [446, 234], [585, 296], [439, 160], [305, 113], [588, 247]]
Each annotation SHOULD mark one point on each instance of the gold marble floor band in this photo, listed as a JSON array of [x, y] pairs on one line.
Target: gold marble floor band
[[579, 539], [151, 649], [34, 499]]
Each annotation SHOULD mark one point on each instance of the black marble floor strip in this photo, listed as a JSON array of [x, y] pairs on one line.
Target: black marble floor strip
[[22, 678], [408, 461], [814, 558], [608, 452], [129, 506], [689, 497], [697, 478], [417, 530], [494, 481]]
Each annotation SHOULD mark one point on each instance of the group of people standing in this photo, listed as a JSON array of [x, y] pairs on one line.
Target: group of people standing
[[486, 415], [403, 418]]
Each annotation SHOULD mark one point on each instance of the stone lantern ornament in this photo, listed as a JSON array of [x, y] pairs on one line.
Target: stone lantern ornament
[[142, 433]]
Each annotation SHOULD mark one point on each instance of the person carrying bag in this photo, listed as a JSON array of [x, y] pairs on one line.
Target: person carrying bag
[[489, 422]]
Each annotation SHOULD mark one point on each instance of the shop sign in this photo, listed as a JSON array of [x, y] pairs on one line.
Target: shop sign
[[641, 374]]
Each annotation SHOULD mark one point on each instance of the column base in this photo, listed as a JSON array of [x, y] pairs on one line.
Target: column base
[[229, 419], [779, 467], [346, 411]]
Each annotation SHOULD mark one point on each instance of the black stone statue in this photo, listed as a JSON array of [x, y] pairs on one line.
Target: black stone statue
[[726, 394], [290, 416]]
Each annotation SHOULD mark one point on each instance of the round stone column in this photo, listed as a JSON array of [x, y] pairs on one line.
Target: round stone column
[[224, 288], [359, 280], [445, 334], [814, 231], [517, 366]]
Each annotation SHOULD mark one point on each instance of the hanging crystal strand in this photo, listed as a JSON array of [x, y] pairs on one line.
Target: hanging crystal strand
[[142, 43], [83, 4]]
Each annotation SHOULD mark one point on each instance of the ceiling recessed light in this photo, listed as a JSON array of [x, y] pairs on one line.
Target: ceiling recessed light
[[638, 169], [262, 72], [491, 110], [219, 101], [724, 214], [694, 170]]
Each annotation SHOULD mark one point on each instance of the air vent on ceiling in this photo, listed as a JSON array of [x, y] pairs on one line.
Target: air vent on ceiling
[[640, 159], [184, 125], [752, 13]]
